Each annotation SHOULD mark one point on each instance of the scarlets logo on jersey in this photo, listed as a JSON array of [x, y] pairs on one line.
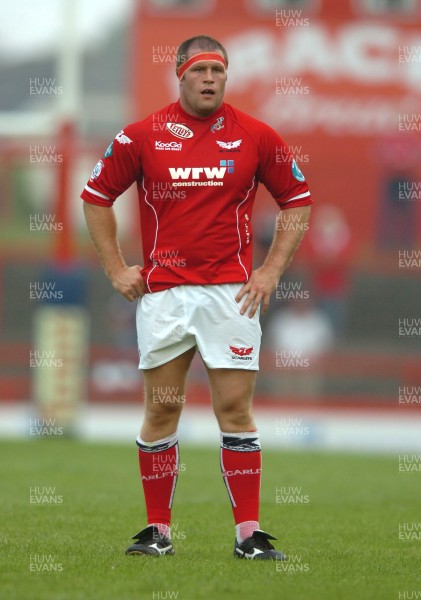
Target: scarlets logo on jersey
[[241, 353], [229, 146], [122, 138]]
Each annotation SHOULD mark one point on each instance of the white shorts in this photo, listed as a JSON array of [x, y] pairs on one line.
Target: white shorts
[[207, 316]]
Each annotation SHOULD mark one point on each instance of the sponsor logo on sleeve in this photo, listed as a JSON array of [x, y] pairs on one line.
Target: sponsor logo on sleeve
[[97, 170], [122, 138], [109, 151], [180, 131], [297, 174], [218, 125]]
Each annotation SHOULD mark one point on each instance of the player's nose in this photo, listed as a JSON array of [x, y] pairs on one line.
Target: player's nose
[[208, 75]]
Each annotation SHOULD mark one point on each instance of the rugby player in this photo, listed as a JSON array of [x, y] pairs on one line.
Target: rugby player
[[197, 164]]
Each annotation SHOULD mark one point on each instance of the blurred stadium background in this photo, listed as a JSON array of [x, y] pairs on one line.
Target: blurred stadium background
[[341, 82]]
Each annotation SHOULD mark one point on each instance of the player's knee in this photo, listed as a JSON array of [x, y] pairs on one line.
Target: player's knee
[[234, 415], [162, 412], [165, 399]]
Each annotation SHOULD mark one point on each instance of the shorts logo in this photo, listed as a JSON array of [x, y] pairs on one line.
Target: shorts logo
[[122, 138], [180, 131], [229, 145], [218, 125], [241, 353], [168, 145]]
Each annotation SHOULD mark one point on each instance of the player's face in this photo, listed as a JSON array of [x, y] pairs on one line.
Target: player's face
[[202, 87]]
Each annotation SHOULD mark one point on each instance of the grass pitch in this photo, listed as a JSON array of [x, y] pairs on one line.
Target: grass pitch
[[336, 516]]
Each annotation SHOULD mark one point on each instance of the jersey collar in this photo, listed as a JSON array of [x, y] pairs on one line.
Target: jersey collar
[[210, 118]]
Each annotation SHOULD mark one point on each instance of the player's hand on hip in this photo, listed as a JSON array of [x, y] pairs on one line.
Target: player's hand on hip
[[128, 281], [259, 287]]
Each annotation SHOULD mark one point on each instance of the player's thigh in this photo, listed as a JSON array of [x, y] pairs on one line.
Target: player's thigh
[[161, 322], [231, 389], [225, 338], [165, 385]]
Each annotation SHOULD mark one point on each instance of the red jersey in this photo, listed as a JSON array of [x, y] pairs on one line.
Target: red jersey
[[197, 180]]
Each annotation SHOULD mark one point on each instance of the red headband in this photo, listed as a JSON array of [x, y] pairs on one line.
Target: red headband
[[203, 56]]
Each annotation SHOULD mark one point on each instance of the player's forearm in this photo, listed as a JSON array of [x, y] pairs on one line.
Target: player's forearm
[[291, 225], [102, 227]]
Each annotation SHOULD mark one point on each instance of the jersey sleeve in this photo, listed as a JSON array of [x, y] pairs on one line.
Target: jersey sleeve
[[115, 172], [279, 172]]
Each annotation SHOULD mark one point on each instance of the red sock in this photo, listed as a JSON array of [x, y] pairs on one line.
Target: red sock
[[241, 469], [159, 464]]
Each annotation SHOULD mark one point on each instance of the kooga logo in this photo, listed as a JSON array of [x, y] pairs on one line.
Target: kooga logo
[[180, 131], [196, 172]]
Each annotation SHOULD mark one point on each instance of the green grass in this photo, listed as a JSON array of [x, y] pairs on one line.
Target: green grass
[[346, 535]]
